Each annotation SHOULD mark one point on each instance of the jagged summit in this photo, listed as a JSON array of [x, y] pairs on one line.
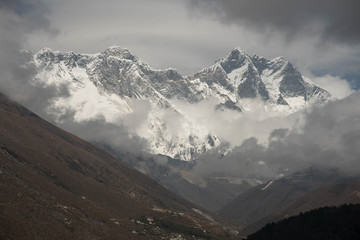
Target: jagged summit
[[122, 53], [117, 48], [274, 81], [109, 83], [236, 59], [279, 59], [238, 49]]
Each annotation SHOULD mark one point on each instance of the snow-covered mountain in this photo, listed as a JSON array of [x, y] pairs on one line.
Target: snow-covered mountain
[[239, 77], [118, 87]]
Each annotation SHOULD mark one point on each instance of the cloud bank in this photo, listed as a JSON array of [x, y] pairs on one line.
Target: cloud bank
[[329, 139], [231, 126]]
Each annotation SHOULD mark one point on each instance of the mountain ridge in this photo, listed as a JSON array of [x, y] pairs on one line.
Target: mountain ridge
[[116, 79]]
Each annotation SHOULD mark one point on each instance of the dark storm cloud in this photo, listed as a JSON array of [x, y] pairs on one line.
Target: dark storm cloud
[[332, 19]]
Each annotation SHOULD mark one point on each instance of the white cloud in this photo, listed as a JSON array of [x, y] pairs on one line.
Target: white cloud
[[329, 138], [337, 86], [235, 127]]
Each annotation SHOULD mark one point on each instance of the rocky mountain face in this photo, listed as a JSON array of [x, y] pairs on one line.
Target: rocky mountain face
[[57, 186], [239, 76], [115, 85]]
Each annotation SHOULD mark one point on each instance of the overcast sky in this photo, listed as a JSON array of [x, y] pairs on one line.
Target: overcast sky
[[321, 38]]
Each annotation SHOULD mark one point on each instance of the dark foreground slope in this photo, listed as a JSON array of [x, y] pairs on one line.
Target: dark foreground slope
[[54, 185], [330, 223]]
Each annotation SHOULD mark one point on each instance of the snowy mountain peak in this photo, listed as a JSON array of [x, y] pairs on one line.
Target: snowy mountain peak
[[121, 53], [45, 53], [238, 49], [279, 59], [239, 78], [114, 84], [235, 60], [44, 50]]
